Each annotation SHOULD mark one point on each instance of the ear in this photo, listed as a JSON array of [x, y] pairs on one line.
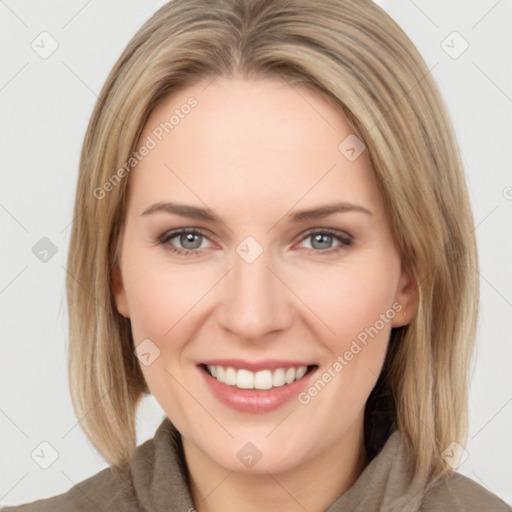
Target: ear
[[407, 296], [119, 292]]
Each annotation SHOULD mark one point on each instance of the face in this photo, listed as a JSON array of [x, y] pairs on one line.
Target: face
[[263, 327]]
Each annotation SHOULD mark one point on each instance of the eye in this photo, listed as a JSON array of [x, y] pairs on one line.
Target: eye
[[322, 240], [190, 239]]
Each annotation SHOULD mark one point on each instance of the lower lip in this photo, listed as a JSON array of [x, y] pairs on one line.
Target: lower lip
[[252, 400]]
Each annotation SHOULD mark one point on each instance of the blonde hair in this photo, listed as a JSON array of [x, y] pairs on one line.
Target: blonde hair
[[358, 58]]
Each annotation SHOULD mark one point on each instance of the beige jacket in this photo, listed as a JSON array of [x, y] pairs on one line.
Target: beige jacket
[[156, 482]]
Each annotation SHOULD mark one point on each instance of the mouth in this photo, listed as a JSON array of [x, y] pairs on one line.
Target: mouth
[[264, 379], [256, 387]]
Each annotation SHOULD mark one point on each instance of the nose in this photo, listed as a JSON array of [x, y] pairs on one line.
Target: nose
[[255, 304]]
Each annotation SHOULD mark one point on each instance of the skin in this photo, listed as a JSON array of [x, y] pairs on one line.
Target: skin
[[254, 152]]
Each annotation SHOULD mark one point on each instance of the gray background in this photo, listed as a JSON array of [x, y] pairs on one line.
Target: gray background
[[46, 104]]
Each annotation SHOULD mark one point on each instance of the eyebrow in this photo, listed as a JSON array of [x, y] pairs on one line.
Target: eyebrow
[[194, 212]]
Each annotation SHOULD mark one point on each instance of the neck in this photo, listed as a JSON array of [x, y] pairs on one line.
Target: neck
[[313, 485]]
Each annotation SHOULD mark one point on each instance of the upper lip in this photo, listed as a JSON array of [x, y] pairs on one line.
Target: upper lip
[[254, 366]]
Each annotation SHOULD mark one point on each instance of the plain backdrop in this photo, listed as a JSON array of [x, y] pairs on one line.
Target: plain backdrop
[[46, 103]]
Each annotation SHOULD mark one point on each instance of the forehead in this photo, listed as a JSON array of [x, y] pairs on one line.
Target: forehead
[[258, 142], [247, 114]]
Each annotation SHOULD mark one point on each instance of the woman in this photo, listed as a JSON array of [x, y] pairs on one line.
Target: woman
[[273, 237]]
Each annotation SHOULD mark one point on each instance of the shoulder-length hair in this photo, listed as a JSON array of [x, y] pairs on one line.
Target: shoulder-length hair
[[356, 56]]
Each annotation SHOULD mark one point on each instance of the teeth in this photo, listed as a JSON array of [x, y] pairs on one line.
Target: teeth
[[301, 372], [230, 377], [289, 376], [245, 379], [278, 378], [264, 379]]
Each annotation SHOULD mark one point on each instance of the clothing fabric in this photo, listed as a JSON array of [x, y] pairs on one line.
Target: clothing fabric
[[156, 481]]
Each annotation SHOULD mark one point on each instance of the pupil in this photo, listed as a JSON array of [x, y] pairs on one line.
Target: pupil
[[326, 240], [188, 238]]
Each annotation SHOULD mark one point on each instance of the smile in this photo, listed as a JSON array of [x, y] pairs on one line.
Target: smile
[[251, 387], [263, 379]]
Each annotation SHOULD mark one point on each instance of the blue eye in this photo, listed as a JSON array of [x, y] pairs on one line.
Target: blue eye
[[187, 237], [191, 241], [324, 239]]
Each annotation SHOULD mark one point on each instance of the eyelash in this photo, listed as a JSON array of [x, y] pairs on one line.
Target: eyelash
[[344, 239]]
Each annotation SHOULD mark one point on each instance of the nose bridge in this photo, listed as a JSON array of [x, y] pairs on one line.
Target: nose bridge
[[254, 300]]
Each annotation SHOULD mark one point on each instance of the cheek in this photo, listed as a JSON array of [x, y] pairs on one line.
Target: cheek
[[357, 307], [347, 299], [161, 302], [161, 299]]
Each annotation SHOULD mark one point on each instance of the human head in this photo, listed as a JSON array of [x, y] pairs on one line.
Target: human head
[[357, 58]]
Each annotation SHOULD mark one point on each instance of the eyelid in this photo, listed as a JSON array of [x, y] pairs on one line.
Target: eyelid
[[329, 231]]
